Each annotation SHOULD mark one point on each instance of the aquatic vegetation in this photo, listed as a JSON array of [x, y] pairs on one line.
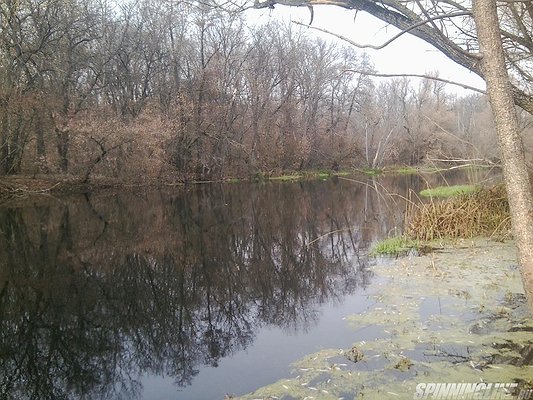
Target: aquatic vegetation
[[458, 315], [471, 212], [300, 175], [354, 354], [372, 171], [484, 212], [405, 170], [293, 177], [343, 173], [394, 246], [404, 364]]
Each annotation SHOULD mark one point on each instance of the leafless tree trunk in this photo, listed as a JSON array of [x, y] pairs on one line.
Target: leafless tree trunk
[[512, 151]]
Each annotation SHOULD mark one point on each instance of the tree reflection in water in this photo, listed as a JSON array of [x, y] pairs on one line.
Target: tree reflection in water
[[96, 290]]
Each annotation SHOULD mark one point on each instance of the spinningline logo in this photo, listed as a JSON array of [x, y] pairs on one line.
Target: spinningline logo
[[464, 391]]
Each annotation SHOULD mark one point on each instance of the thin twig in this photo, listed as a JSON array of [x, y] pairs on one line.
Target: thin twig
[[423, 76], [326, 234]]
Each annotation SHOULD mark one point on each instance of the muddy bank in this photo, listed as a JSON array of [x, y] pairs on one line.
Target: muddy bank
[[458, 315], [17, 190], [19, 186]]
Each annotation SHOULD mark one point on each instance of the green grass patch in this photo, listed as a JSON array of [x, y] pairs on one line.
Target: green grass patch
[[343, 173], [293, 177], [372, 171], [411, 170], [449, 191], [394, 246], [320, 174], [317, 174], [329, 173], [406, 171]]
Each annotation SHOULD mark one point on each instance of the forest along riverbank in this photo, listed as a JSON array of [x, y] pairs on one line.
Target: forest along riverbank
[[458, 315]]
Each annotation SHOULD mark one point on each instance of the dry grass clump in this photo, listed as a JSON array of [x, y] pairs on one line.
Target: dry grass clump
[[484, 212]]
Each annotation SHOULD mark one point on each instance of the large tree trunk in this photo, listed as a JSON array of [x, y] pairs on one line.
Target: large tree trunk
[[500, 94]]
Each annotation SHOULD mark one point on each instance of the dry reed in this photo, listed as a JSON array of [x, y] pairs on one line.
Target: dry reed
[[484, 212]]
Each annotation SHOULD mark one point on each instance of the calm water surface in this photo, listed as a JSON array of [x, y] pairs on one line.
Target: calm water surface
[[191, 294]]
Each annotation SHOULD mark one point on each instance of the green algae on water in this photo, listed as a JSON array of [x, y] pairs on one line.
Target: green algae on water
[[455, 316]]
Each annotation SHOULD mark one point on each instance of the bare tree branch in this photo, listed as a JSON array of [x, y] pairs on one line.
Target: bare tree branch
[[423, 76], [400, 14], [381, 46]]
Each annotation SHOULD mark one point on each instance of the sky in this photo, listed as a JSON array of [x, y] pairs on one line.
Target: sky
[[407, 54]]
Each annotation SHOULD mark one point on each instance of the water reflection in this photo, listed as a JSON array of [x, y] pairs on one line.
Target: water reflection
[[98, 290]]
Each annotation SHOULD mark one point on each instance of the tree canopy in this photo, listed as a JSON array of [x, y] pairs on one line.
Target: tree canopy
[[449, 26]]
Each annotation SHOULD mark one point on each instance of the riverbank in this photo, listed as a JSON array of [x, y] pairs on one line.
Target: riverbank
[[23, 185], [26, 185], [458, 315]]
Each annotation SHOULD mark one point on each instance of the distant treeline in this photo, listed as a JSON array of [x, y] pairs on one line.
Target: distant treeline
[[175, 91]]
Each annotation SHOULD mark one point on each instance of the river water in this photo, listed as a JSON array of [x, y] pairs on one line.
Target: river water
[[193, 293]]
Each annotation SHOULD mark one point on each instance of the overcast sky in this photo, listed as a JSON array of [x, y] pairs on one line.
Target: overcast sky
[[407, 54]]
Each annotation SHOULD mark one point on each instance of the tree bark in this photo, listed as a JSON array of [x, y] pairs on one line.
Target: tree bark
[[500, 94]]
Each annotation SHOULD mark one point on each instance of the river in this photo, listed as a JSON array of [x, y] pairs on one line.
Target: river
[[193, 293]]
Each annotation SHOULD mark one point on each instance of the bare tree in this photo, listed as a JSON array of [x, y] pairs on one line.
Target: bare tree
[[514, 165], [477, 45]]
